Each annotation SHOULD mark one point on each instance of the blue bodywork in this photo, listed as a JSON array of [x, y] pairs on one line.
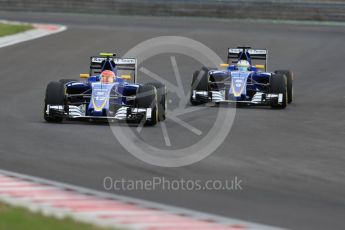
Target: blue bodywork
[[242, 84], [250, 86], [100, 99]]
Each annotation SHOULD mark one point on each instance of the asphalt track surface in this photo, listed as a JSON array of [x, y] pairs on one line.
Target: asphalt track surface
[[291, 162]]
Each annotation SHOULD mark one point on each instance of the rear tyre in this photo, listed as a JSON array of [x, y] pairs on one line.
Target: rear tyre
[[199, 83], [278, 85], [147, 98], [161, 99], [55, 96], [289, 81]]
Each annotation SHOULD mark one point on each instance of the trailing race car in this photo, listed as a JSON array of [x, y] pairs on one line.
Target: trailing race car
[[106, 94], [242, 82]]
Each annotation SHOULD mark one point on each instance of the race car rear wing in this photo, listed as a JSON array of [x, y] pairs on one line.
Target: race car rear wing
[[247, 53], [97, 64]]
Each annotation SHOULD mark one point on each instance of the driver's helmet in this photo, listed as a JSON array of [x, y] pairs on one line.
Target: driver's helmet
[[243, 65], [108, 76]]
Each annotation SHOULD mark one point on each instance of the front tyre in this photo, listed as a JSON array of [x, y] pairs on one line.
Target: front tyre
[[278, 85], [55, 96], [289, 82], [199, 83], [161, 99], [146, 98]]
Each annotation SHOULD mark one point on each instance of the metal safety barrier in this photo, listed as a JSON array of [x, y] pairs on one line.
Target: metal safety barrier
[[321, 10]]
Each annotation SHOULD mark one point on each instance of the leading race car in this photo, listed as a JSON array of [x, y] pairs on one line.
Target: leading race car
[[106, 94], [242, 82]]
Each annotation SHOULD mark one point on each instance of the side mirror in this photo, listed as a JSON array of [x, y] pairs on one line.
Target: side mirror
[[126, 77], [260, 66], [224, 65], [84, 75]]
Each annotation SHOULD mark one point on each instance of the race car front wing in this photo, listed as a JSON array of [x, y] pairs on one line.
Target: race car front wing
[[218, 97], [123, 113]]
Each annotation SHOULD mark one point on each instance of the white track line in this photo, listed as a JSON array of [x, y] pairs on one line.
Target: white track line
[[108, 210]]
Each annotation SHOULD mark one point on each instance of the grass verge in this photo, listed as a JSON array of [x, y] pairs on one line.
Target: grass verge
[[9, 29], [15, 218]]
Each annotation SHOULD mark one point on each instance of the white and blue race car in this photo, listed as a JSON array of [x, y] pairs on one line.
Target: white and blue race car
[[106, 94], [242, 82]]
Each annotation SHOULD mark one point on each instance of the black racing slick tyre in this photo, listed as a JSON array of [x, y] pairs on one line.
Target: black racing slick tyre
[[278, 85], [199, 83], [289, 81], [200, 80], [55, 96], [147, 98], [65, 81], [203, 79], [161, 99]]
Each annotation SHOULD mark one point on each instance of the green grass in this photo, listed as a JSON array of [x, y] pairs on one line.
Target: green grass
[[9, 29], [19, 218]]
